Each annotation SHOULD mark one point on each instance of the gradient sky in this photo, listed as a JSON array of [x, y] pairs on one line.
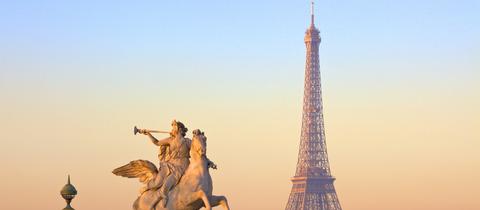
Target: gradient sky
[[401, 84]]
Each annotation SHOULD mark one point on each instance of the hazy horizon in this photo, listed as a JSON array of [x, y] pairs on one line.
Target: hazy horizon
[[400, 85]]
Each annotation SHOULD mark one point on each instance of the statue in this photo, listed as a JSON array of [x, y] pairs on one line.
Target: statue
[[182, 180]]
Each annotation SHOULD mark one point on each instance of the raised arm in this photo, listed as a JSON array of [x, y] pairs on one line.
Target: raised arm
[[165, 141]]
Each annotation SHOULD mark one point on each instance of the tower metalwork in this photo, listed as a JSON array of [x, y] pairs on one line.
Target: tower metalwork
[[313, 183]]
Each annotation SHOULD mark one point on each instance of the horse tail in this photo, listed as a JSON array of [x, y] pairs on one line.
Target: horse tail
[[135, 204]]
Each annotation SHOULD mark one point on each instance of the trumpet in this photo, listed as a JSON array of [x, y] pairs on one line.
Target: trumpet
[[136, 130]]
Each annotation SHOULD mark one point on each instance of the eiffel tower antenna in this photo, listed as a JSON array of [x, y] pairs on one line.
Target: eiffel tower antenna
[[312, 13]]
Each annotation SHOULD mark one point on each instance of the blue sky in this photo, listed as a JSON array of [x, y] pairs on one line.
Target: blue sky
[[236, 32]]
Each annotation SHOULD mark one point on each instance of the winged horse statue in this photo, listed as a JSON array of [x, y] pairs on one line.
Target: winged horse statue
[[194, 190]]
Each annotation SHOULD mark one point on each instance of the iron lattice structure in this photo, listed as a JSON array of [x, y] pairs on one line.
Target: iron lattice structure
[[313, 183]]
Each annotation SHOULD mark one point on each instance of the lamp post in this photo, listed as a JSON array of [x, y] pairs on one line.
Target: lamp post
[[68, 192]]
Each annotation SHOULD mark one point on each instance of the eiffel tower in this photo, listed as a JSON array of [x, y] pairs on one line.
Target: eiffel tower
[[313, 183]]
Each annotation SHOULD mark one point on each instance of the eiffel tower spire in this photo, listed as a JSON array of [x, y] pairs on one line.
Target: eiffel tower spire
[[313, 183], [312, 13]]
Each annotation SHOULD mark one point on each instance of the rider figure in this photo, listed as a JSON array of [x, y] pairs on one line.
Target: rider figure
[[174, 160]]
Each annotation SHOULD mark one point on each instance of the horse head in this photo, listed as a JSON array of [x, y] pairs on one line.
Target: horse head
[[199, 144]]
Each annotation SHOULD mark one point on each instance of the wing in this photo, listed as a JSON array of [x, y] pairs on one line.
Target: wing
[[142, 169]]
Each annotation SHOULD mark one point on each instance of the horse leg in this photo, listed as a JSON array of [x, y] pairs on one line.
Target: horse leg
[[220, 201], [204, 198]]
